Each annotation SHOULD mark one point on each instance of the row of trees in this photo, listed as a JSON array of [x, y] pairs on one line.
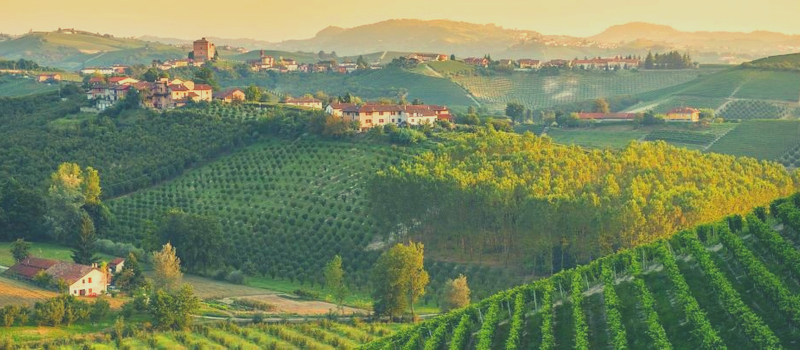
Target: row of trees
[[544, 207], [669, 60]]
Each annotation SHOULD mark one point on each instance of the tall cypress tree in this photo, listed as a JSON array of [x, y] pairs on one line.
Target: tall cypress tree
[[85, 243]]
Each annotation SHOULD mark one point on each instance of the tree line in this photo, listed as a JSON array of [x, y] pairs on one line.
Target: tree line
[[669, 60], [525, 201]]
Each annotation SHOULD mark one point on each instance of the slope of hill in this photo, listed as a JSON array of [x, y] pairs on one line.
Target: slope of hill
[[733, 285], [760, 139], [72, 51]]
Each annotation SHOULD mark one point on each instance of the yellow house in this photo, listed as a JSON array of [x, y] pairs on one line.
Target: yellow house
[[683, 114]]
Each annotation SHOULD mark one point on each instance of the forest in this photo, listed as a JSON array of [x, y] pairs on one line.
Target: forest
[[501, 198]]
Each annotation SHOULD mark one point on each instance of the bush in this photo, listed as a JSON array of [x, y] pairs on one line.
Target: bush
[[307, 294], [120, 249], [236, 277], [407, 136]]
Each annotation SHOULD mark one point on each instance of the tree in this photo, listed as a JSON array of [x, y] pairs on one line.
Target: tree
[[456, 294], [452, 57], [515, 110], [92, 188], [362, 63], [99, 309], [174, 310], [131, 277], [22, 211], [85, 249], [253, 93], [206, 76], [417, 102], [649, 62], [601, 106], [399, 279], [167, 268], [150, 75], [334, 280], [197, 238], [65, 201], [20, 249]]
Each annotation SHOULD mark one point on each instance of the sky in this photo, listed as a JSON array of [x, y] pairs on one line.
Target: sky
[[281, 20]]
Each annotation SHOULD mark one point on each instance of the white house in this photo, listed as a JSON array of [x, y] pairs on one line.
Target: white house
[[82, 280]]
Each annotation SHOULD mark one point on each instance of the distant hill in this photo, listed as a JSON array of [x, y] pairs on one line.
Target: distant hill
[[72, 51], [251, 44]]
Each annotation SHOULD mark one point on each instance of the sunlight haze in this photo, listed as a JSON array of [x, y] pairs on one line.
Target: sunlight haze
[[276, 21]]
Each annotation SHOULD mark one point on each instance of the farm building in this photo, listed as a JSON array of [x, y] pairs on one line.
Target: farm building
[[230, 95], [335, 109], [82, 280], [48, 78], [370, 115], [529, 64], [305, 102], [683, 114], [483, 62], [122, 80], [116, 265]]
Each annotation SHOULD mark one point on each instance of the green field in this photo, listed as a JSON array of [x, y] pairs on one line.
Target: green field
[[710, 287], [619, 135], [791, 159], [595, 138], [536, 91], [687, 101], [755, 109], [763, 139], [21, 87], [322, 335], [42, 250]]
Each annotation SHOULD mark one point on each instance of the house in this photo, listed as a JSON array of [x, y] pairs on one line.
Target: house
[[116, 265], [203, 50], [97, 80], [48, 78], [505, 62], [120, 69], [82, 280], [289, 64], [371, 115], [336, 109], [607, 117], [263, 63], [188, 90], [616, 62], [230, 95], [94, 70], [305, 102], [529, 64], [558, 63], [474, 61], [427, 57], [683, 114], [122, 80]]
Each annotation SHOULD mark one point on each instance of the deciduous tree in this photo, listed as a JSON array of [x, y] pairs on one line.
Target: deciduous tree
[[20, 249], [456, 294], [167, 268], [334, 280], [399, 279]]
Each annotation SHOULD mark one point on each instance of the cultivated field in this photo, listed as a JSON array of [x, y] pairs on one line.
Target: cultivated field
[[14, 292], [536, 91], [21, 87], [731, 284], [763, 139], [321, 335], [619, 135]]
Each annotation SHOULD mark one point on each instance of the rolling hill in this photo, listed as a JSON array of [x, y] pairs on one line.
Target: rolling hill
[[732, 284], [72, 51]]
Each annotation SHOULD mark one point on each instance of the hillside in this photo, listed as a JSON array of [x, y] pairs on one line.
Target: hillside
[[73, 51], [372, 84], [732, 284]]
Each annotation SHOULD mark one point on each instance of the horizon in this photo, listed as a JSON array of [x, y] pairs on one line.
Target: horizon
[[295, 24]]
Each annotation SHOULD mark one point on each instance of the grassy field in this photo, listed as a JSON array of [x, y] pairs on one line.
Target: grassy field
[[536, 91], [21, 87], [763, 139], [721, 280], [42, 250]]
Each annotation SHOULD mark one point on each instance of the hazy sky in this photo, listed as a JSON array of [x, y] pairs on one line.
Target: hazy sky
[[280, 20]]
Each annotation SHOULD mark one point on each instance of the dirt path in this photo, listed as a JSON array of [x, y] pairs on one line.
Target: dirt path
[[433, 71]]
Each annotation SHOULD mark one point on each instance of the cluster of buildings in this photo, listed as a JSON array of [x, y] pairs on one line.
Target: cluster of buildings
[[370, 115], [115, 69], [48, 78], [285, 65], [82, 280], [616, 62], [202, 51], [161, 94], [682, 114]]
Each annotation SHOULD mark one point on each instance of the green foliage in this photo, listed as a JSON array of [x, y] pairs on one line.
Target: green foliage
[[20, 249], [762, 139], [515, 111], [197, 239], [85, 249], [21, 212], [131, 277], [753, 109], [517, 321], [486, 333], [173, 310], [461, 333], [520, 188], [578, 318], [334, 279], [399, 279], [612, 304], [690, 137]]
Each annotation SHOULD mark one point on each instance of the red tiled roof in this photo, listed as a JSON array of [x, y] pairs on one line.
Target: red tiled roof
[[96, 80], [30, 266], [116, 261], [116, 79], [202, 87], [606, 115], [342, 105], [180, 87], [227, 93], [192, 94], [69, 272]]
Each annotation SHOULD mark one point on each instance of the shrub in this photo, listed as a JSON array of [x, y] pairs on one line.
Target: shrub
[[307, 294], [236, 277]]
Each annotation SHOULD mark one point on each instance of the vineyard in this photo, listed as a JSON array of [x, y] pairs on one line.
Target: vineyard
[[690, 137], [761, 139], [288, 207], [319, 335], [536, 91], [10, 87], [791, 159], [753, 109], [688, 101], [732, 284]]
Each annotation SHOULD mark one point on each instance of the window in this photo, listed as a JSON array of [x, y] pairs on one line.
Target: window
[[90, 290], [83, 281], [381, 121], [369, 121], [392, 120], [90, 280], [412, 120]]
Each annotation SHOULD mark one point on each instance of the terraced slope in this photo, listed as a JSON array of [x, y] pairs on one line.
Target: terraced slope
[[761, 139], [733, 284]]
